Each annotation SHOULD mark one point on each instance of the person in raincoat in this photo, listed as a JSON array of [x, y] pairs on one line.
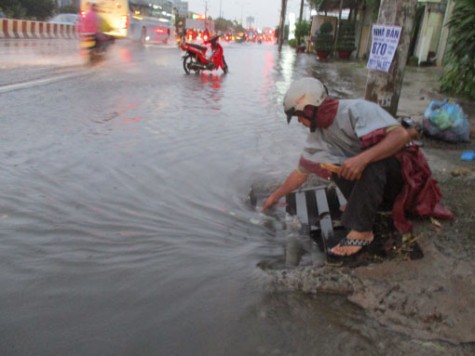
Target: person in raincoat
[[91, 23]]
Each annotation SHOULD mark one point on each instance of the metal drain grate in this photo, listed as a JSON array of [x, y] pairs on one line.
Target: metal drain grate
[[318, 210]]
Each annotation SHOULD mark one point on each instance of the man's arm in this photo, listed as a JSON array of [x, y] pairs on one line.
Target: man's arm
[[292, 182], [392, 143]]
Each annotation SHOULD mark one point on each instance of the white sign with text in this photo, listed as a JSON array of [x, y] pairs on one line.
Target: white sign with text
[[383, 47]]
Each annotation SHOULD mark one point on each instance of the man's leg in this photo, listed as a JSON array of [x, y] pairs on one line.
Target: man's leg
[[376, 189]]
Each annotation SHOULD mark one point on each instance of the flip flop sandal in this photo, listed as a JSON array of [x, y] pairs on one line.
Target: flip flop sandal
[[354, 242], [351, 242]]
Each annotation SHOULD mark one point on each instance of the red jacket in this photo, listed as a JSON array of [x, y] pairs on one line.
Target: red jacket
[[420, 195]]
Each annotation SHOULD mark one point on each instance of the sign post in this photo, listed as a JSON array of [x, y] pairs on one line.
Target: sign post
[[383, 47], [391, 38]]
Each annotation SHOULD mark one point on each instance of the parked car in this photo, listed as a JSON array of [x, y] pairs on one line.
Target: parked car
[[65, 19]]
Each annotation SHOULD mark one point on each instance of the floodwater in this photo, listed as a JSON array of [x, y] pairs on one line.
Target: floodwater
[[125, 223]]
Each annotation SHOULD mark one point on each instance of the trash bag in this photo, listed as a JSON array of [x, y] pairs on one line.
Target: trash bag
[[446, 121]]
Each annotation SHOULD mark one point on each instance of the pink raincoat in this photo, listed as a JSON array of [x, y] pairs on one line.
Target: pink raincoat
[[89, 23]]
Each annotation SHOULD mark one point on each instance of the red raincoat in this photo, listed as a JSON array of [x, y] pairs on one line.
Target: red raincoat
[[420, 194]]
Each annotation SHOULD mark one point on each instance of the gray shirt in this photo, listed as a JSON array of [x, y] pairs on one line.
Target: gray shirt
[[341, 140]]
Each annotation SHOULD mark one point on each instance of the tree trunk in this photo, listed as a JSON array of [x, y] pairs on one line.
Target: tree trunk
[[385, 88]]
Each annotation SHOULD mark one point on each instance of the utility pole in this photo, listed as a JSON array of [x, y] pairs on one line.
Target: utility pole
[[242, 6], [301, 10], [206, 15], [283, 11], [385, 88]]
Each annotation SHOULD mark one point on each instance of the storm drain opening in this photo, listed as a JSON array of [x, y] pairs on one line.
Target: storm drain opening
[[319, 210]]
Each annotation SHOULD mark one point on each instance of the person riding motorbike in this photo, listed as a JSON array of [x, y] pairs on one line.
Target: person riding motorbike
[[91, 24]]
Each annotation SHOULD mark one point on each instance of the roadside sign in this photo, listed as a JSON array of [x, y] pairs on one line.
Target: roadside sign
[[384, 43]]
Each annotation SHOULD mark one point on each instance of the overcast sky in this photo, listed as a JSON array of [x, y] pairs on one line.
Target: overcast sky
[[265, 12]]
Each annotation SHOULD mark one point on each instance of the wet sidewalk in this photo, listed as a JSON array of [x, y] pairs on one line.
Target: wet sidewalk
[[420, 86]]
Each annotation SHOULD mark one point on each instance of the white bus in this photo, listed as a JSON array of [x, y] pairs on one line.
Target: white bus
[[138, 20], [151, 22], [115, 12]]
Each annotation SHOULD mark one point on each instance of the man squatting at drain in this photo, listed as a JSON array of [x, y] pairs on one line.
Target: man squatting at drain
[[370, 177]]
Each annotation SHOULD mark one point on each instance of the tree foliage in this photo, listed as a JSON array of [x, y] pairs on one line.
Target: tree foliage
[[68, 9], [324, 38], [314, 4], [13, 9], [302, 29], [30, 9], [224, 26], [459, 69]]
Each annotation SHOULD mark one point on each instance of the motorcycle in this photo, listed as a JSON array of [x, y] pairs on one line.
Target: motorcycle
[[96, 46], [195, 56]]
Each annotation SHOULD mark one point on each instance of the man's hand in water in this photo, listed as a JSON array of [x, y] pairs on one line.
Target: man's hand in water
[[268, 203], [293, 181]]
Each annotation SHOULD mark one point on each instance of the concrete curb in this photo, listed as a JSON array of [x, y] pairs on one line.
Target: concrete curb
[[15, 29]]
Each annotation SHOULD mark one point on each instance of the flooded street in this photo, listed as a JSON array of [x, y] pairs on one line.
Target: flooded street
[[126, 226]]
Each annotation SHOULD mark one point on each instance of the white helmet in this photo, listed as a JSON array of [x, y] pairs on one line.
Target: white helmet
[[303, 92]]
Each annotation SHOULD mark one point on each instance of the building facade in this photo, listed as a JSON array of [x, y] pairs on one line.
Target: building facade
[[181, 7]]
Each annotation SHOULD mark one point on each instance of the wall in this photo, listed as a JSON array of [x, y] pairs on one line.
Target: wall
[[16, 29], [429, 35]]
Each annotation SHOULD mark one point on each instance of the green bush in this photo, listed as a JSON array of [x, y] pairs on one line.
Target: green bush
[[28, 9], [324, 39], [302, 29], [346, 36], [326, 28], [68, 9], [459, 67]]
